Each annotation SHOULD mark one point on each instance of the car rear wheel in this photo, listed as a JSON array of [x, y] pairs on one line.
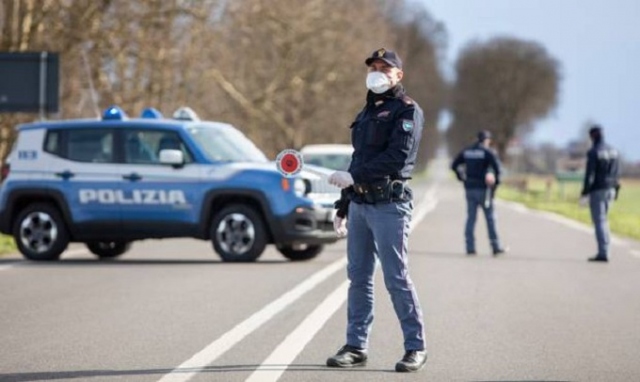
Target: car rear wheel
[[238, 233], [108, 249], [40, 233], [299, 253]]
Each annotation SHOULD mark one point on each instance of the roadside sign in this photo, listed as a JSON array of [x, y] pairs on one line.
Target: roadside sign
[[289, 162]]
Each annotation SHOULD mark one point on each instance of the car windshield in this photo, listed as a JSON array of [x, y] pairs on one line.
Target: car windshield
[[225, 143]]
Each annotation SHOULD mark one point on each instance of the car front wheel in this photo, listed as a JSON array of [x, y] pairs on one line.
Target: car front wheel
[[238, 233], [40, 233]]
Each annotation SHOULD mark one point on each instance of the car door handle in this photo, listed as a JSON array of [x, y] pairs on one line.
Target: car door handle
[[134, 176], [66, 174]]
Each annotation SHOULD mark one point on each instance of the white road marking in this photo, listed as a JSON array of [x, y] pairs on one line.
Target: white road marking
[[279, 360], [579, 226], [426, 205], [206, 356]]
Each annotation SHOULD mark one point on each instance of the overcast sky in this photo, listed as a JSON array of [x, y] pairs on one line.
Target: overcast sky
[[597, 43]]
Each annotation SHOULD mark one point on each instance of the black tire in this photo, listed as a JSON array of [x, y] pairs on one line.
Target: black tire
[[238, 233], [108, 249], [40, 233], [306, 253]]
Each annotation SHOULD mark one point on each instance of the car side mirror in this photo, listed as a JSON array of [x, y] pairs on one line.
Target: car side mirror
[[172, 157]]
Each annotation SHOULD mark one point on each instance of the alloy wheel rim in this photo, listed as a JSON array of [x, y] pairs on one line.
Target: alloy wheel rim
[[236, 234], [38, 232]]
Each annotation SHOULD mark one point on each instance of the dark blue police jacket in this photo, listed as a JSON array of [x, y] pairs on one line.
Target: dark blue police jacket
[[477, 161], [385, 136], [603, 168]]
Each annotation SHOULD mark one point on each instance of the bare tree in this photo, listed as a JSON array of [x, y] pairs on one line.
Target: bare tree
[[421, 41], [291, 71], [503, 85]]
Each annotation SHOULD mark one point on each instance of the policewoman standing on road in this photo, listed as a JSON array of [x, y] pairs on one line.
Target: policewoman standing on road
[[377, 205]]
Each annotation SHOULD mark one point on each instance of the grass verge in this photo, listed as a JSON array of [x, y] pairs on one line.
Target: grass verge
[[7, 245], [562, 198]]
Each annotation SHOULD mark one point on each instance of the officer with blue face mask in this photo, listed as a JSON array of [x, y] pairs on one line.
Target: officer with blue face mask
[[601, 186], [376, 205], [478, 167]]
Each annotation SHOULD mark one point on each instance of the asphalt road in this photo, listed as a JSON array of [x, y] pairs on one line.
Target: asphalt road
[[171, 311]]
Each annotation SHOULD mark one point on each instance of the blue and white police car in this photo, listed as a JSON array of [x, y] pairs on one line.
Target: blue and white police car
[[111, 181]]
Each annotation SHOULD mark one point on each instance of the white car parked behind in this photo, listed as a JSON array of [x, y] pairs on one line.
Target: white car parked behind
[[333, 156]]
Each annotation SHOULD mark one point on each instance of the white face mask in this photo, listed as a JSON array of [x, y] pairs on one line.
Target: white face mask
[[378, 82]]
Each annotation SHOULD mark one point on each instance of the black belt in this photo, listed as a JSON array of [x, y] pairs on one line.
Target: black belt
[[385, 191]]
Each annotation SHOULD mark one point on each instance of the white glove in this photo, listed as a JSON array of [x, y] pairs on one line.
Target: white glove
[[584, 201], [490, 179], [340, 226], [341, 179]]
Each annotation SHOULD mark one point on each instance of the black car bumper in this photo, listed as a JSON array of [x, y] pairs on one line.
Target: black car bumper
[[306, 225]]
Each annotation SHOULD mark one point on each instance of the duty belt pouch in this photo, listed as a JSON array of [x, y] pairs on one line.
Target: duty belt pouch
[[377, 192]]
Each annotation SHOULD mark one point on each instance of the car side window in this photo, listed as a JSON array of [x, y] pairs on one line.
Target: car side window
[[143, 146], [84, 145], [52, 142]]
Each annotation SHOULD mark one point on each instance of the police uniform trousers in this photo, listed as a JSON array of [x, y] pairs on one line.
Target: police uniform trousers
[[599, 201], [381, 230], [475, 199]]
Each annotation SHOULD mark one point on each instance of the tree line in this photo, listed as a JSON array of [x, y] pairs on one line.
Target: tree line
[[286, 73]]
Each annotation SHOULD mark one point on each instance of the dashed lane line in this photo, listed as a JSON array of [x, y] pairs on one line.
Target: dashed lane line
[[279, 360], [560, 219]]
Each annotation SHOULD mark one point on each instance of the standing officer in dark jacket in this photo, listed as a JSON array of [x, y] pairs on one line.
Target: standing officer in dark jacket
[[601, 185], [481, 177], [377, 206]]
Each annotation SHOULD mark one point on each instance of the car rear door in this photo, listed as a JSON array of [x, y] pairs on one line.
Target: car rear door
[[83, 171], [159, 200]]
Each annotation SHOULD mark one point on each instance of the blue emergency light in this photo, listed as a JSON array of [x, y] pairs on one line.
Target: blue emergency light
[[151, 113], [114, 112]]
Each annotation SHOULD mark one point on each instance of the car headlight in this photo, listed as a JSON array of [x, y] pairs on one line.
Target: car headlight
[[299, 187]]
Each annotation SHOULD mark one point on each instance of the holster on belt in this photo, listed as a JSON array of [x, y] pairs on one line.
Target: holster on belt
[[382, 191]]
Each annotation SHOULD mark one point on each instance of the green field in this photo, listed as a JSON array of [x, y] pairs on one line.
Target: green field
[[549, 195], [6, 244]]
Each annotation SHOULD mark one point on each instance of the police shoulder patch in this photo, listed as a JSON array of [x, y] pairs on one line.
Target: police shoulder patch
[[407, 124]]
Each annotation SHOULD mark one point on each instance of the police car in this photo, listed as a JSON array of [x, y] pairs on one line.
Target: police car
[[111, 181]]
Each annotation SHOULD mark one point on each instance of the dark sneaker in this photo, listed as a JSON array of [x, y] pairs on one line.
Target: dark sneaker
[[413, 360], [471, 253], [348, 356], [599, 258], [500, 251]]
